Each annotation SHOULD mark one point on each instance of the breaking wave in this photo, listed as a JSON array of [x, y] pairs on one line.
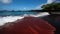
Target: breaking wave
[[7, 19]]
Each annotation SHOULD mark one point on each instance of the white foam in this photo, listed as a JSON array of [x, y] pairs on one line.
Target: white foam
[[7, 19]]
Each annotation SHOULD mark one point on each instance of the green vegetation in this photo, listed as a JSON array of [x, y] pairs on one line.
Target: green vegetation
[[52, 6]]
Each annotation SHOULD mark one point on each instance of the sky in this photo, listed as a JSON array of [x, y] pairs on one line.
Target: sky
[[23, 4]]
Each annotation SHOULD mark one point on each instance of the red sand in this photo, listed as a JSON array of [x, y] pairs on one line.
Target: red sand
[[28, 25]]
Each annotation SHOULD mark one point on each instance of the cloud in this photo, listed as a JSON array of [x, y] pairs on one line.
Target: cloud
[[25, 8], [50, 1], [6, 1], [39, 6]]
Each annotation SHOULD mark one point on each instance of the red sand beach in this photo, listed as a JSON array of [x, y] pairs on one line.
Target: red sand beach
[[28, 25]]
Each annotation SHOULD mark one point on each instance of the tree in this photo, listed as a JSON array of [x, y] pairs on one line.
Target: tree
[[52, 6]]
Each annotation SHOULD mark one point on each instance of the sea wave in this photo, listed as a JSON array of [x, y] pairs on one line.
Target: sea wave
[[7, 19]]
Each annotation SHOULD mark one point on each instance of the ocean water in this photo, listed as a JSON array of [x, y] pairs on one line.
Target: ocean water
[[15, 13], [6, 17]]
